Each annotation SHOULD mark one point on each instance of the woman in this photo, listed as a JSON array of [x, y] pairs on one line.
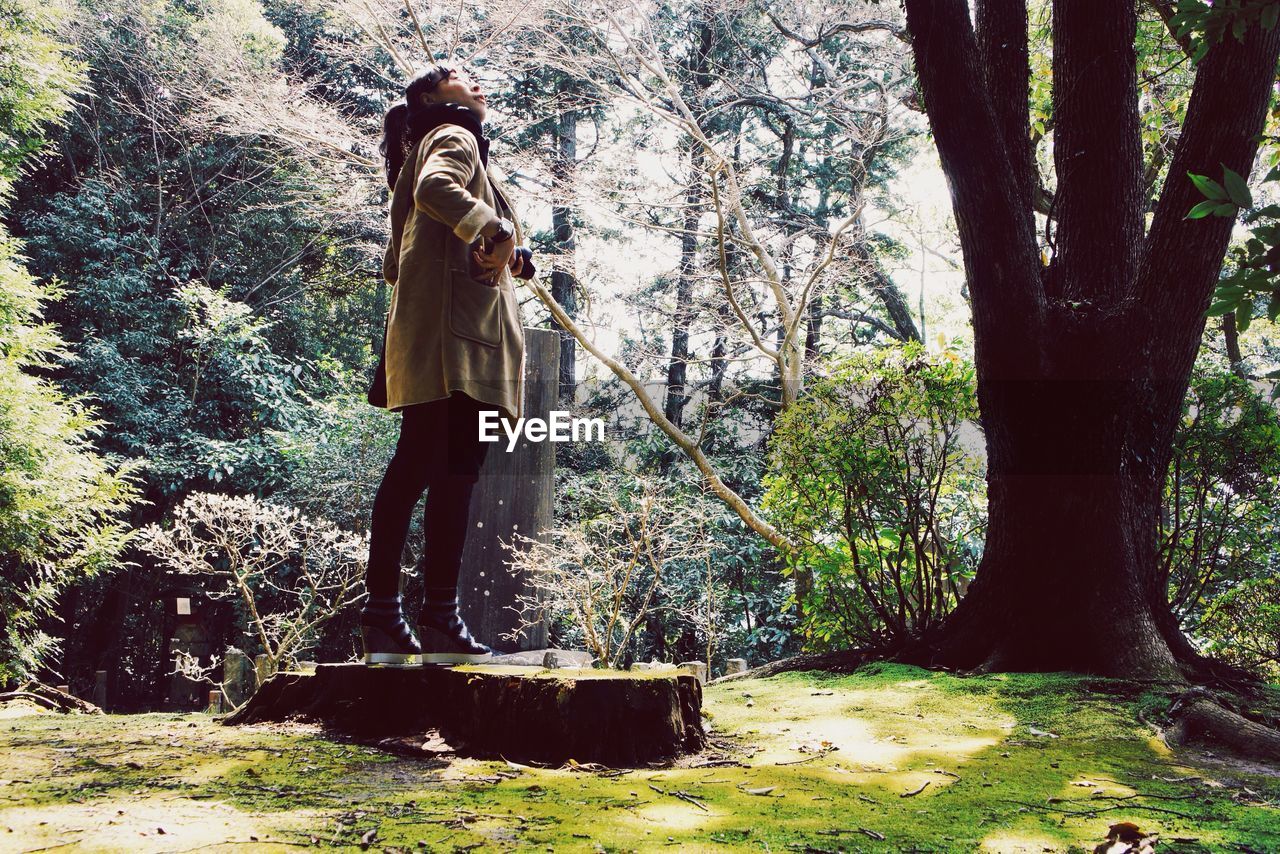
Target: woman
[[454, 347]]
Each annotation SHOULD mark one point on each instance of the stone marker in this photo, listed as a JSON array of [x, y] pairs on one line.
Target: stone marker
[[735, 665], [653, 665], [527, 658], [100, 688], [215, 702], [237, 675], [540, 657], [514, 495], [262, 668], [555, 658], [697, 668]]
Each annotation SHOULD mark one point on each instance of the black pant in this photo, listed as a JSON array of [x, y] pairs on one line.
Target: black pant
[[439, 451]]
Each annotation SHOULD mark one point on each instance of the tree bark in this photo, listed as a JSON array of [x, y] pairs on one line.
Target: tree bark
[[682, 318], [1082, 367], [562, 280], [1202, 719], [1231, 338]]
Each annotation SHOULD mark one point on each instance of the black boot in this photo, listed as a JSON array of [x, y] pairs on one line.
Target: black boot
[[445, 637], [386, 636]]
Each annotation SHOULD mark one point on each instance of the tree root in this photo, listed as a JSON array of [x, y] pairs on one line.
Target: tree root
[[50, 698], [841, 661], [1199, 717]]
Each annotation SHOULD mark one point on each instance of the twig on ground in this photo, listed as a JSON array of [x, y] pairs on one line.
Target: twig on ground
[[684, 796]]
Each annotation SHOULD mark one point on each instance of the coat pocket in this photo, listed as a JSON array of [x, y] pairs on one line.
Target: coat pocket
[[475, 309]]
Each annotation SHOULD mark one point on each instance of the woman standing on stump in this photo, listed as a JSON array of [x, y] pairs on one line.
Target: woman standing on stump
[[454, 348]]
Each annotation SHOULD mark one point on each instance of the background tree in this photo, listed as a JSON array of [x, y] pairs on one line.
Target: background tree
[[291, 574], [62, 501]]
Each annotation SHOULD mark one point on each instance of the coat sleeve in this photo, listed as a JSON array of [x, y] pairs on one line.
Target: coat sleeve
[[441, 189]]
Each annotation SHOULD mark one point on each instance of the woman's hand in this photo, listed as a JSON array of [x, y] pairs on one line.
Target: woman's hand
[[495, 259]]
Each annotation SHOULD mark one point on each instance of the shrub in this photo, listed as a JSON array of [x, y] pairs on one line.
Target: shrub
[[869, 473]]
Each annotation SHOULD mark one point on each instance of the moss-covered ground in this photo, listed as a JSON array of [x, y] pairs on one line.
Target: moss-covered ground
[[890, 758]]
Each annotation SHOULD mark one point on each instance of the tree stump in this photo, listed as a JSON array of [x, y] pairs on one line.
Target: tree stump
[[613, 717]]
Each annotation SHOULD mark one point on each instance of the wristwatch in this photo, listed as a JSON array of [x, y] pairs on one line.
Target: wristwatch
[[505, 230]]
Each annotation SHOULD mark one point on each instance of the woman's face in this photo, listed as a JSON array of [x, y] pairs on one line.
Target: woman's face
[[460, 89]]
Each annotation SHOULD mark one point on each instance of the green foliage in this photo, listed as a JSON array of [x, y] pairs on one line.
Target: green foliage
[[334, 456], [1250, 274], [1220, 525], [1242, 625], [1249, 279], [185, 267], [61, 503], [868, 473], [237, 381], [187, 376], [1208, 24], [37, 80]]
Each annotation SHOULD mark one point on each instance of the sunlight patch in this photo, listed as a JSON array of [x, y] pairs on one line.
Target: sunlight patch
[[1012, 841], [674, 815], [142, 825]]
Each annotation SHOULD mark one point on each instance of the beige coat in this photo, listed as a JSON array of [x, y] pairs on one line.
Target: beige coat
[[447, 331]]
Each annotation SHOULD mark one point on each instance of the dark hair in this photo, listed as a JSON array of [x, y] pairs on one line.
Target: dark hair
[[403, 125]]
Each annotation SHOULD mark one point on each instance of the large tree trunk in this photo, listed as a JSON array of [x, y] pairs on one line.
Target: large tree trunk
[[1082, 365], [562, 279], [1071, 537], [682, 318]]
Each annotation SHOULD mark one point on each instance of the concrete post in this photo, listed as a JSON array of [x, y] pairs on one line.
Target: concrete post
[[100, 688]]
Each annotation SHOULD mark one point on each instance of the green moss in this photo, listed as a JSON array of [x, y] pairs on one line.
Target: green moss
[[1013, 762]]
